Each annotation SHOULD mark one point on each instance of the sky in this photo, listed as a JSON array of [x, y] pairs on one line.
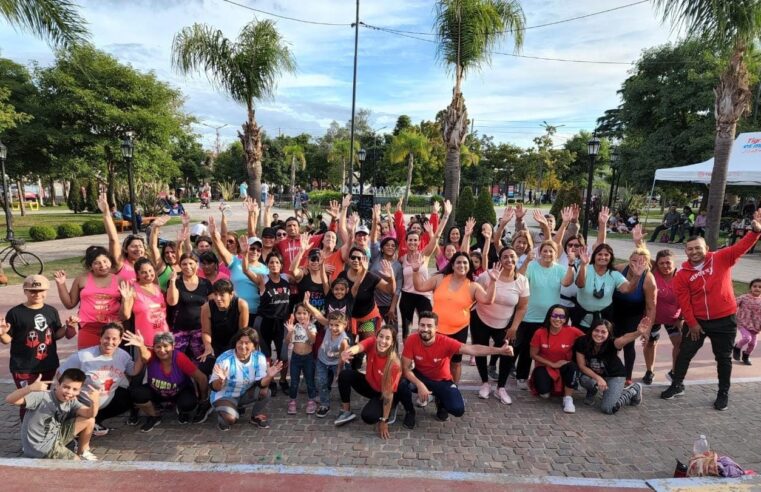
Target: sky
[[397, 74]]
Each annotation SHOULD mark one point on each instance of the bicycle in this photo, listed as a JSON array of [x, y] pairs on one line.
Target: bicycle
[[22, 262]]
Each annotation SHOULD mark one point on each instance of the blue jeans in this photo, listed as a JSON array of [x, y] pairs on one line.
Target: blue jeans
[[325, 376], [445, 391], [610, 396], [305, 364]]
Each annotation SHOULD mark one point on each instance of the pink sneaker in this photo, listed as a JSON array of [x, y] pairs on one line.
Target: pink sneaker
[[292, 407], [311, 407]]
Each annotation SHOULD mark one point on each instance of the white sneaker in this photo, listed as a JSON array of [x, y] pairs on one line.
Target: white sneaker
[[568, 406], [87, 455], [503, 396], [522, 384], [484, 391]]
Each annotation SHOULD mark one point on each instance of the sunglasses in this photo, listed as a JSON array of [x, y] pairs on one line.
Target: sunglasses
[[574, 245], [230, 241], [255, 248], [557, 316], [357, 258], [282, 235], [314, 258]]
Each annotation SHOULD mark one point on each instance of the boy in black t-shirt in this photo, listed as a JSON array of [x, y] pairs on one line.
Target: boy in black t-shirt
[[32, 329]]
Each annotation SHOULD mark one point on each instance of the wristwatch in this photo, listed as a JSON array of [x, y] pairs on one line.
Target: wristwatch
[[383, 419]]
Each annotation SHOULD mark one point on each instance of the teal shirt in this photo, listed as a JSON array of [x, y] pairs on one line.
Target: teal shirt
[[545, 289], [609, 282]]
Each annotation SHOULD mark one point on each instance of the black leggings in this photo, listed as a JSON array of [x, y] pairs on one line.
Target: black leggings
[[349, 379], [544, 384], [408, 304], [480, 334], [623, 326], [523, 338], [120, 403], [185, 400], [272, 330]]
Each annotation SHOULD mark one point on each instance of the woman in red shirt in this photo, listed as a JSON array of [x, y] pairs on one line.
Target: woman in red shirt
[[555, 371]]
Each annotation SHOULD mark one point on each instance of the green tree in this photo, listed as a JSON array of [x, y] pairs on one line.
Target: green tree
[[339, 154], [295, 153], [227, 164], [465, 206], [405, 146], [484, 211], [402, 122], [246, 69], [467, 31], [733, 26], [54, 20]]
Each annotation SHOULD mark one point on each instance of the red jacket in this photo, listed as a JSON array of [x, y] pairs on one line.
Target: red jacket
[[708, 293], [401, 233]]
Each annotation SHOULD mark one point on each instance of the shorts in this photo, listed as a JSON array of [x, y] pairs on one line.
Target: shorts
[[460, 336], [367, 326], [59, 450], [655, 333]]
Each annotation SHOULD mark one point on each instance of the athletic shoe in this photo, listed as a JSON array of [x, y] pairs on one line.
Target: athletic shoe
[[87, 455], [736, 353], [150, 423], [568, 406], [502, 396], [522, 384], [672, 391], [202, 413], [392, 416], [670, 375], [183, 418], [493, 374], [722, 400], [441, 413], [485, 390], [344, 417], [589, 399], [637, 398], [311, 407], [648, 377], [222, 425], [424, 403], [322, 412], [746, 359], [292, 407], [99, 430], [134, 417], [260, 421], [409, 421]]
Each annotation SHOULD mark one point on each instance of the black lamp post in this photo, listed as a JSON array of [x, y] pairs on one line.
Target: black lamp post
[[127, 150], [6, 195], [593, 147], [361, 155], [614, 167]]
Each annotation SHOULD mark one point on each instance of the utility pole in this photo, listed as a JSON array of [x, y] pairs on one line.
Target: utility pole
[[353, 102], [218, 142]]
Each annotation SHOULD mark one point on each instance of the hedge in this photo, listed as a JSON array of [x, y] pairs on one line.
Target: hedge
[[92, 227], [69, 230], [42, 233]]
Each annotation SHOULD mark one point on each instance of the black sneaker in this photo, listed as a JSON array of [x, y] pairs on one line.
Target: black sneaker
[[441, 413], [670, 375], [746, 359], [672, 391], [322, 412], [202, 413], [722, 400], [150, 423], [736, 353], [134, 417], [409, 421], [260, 421], [183, 418], [648, 377]]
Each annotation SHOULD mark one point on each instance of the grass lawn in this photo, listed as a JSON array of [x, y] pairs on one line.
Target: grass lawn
[[72, 266]]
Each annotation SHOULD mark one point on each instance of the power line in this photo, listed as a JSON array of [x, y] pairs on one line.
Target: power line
[[294, 19]]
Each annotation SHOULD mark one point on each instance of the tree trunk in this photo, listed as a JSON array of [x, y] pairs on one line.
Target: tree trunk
[[343, 174], [21, 201], [251, 139], [410, 164], [293, 174], [53, 201], [732, 100], [454, 131]]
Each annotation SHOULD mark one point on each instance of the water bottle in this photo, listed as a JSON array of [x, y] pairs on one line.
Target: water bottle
[[226, 210], [701, 445]]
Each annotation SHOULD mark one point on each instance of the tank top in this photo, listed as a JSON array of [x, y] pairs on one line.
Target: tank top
[[224, 324], [166, 385], [631, 304], [329, 350], [163, 277], [667, 310], [127, 273], [453, 307], [150, 314], [99, 305], [408, 286], [187, 312]]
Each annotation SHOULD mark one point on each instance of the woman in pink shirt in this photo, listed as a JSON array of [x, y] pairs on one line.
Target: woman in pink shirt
[[125, 254], [145, 301]]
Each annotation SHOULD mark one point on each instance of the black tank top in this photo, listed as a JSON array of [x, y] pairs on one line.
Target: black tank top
[[224, 324]]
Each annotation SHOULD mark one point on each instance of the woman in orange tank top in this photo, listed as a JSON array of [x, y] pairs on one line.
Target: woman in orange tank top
[[454, 293]]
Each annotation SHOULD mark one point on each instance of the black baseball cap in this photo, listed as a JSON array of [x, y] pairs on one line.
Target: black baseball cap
[[268, 232]]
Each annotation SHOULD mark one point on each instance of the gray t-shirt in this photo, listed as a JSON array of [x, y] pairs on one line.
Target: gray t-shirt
[[104, 372], [43, 420]]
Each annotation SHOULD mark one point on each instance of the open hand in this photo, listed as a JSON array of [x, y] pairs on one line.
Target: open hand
[[275, 369], [133, 339], [39, 384], [60, 277]]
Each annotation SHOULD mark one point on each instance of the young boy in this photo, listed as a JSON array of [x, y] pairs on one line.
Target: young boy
[[32, 329], [55, 417]]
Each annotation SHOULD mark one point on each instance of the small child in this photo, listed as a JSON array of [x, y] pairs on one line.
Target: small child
[[329, 358], [748, 320], [32, 329], [56, 417], [339, 300], [477, 260], [302, 335]]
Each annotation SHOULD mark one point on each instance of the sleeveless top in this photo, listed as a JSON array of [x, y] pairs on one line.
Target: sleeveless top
[[150, 314], [224, 324], [329, 353], [453, 307], [163, 277], [667, 310], [631, 304], [99, 305], [407, 273], [166, 385], [187, 313], [127, 272]]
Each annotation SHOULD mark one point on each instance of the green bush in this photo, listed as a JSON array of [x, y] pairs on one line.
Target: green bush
[[567, 195], [75, 201], [92, 227], [42, 233], [324, 196], [69, 230], [465, 205], [484, 210]]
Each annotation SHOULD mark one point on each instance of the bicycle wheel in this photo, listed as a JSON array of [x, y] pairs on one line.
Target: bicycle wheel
[[25, 263]]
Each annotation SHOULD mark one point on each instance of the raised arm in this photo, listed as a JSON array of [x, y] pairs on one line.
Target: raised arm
[[296, 270], [316, 313], [128, 299], [219, 244], [186, 227], [543, 224], [69, 298], [566, 214], [520, 212], [434, 242], [375, 228], [487, 296], [507, 216], [567, 279], [421, 284], [252, 207], [581, 276], [343, 234], [602, 225], [154, 242], [172, 292], [467, 235], [268, 210], [114, 246]]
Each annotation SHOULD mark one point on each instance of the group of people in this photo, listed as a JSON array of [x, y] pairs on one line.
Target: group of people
[[220, 325]]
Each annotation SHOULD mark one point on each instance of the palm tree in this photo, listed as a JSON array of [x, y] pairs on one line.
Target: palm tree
[[55, 20], [246, 69], [296, 153], [733, 27], [405, 145], [467, 31]]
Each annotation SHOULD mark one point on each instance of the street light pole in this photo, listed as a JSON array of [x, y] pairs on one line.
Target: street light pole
[[127, 152], [361, 158], [593, 147], [353, 103], [614, 166], [6, 195]]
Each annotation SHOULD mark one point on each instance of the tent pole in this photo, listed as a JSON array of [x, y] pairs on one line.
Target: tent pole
[[649, 199]]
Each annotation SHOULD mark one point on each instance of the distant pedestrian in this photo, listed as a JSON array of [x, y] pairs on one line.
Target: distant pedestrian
[[243, 190]]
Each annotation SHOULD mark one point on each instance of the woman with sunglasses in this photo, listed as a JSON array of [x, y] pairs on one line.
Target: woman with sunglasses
[[387, 303], [124, 254], [555, 371], [187, 294], [313, 279]]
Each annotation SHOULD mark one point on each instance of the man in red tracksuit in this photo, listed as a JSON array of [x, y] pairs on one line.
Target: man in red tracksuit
[[704, 289]]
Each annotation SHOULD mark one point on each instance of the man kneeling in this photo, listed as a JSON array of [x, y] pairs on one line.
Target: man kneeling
[[55, 417]]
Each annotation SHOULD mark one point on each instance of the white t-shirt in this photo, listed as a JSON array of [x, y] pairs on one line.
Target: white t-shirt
[[199, 230], [105, 372], [497, 314]]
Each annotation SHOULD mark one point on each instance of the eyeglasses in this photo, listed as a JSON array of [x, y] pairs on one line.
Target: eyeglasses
[[356, 258], [255, 248], [314, 258], [281, 235], [557, 316], [230, 241], [574, 245]]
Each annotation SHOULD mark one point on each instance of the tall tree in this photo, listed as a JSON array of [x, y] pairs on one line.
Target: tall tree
[[295, 153], [246, 69], [467, 31], [735, 26], [406, 145], [339, 153], [54, 20]]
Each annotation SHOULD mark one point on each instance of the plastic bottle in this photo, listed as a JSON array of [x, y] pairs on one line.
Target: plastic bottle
[[701, 445]]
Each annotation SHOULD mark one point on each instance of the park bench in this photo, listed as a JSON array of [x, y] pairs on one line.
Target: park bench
[[124, 225]]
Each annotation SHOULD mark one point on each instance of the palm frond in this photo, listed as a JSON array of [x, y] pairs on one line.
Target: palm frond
[[723, 22], [295, 151], [201, 48], [55, 20], [261, 58], [409, 141]]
